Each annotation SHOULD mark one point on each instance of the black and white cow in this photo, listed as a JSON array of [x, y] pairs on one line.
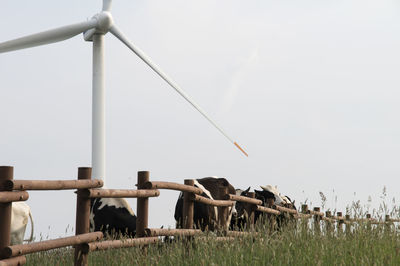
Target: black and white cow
[[205, 216], [273, 196], [20, 214], [243, 211], [270, 196], [112, 216]]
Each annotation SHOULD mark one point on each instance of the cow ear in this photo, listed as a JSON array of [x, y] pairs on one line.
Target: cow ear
[[247, 190]]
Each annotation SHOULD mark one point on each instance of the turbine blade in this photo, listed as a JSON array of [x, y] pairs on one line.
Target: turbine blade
[[47, 37], [107, 5], [117, 33]]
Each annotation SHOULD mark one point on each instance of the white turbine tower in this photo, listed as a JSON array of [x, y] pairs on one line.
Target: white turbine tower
[[94, 30]]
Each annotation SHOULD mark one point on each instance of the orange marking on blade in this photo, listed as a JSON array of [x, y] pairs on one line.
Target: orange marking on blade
[[240, 148]]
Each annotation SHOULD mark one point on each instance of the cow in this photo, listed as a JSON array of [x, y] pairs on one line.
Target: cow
[[20, 214], [205, 216], [112, 216], [243, 211], [274, 197], [270, 196]]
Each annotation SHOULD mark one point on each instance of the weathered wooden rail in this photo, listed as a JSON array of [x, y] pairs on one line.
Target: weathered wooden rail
[[173, 186], [11, 196], [51, 184], [172, 232], [20, 250], [85, 242], [122, 193], [125, 243]]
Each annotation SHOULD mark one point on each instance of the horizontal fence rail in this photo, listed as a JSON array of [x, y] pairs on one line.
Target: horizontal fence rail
[[267, 210], [122, 193], [124, 243], [12, 196], [21, 260], [303, 216], [172, 186], [287, 210], [172, 232], [218, 238], [18, 250], [217, 203], [51, 184], [239, 233], [243, 199]]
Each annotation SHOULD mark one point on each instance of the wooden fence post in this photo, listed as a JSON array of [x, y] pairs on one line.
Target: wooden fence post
[[142, 219], [328, 223], [348, 224], [304, 208], [82, 216], [188, 206], [304, 221], [6, 173], [340, 222], [368, 221], [223, 211], [388, 224], [317, 219], [252, 213]]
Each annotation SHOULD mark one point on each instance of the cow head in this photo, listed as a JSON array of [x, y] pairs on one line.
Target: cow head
[[268, 198], [288, 203]]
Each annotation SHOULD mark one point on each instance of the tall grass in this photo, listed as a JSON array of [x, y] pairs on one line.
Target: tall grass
[[294, 245], [298, 243]]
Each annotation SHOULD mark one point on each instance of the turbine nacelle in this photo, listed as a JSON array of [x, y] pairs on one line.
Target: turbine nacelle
[[104, 23]]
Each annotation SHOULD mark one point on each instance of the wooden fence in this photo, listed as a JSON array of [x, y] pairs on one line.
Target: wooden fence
[[85, 241]]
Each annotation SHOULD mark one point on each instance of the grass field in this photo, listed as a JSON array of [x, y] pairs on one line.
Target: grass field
[[295, 245]]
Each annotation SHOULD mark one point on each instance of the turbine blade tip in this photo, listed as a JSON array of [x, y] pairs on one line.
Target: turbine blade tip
[[240, 148]]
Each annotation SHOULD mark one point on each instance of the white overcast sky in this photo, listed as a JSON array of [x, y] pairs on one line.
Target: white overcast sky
[[309, 88]]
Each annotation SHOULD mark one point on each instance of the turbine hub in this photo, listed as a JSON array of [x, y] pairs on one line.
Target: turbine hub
[[104, 23]]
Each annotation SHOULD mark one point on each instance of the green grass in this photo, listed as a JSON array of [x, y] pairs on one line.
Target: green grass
[[296, 245]]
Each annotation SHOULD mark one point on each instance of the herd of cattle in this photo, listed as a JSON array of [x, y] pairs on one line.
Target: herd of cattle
[[114, 215]]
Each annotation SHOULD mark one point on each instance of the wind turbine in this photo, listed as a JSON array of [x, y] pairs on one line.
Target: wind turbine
[[94, 30]]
